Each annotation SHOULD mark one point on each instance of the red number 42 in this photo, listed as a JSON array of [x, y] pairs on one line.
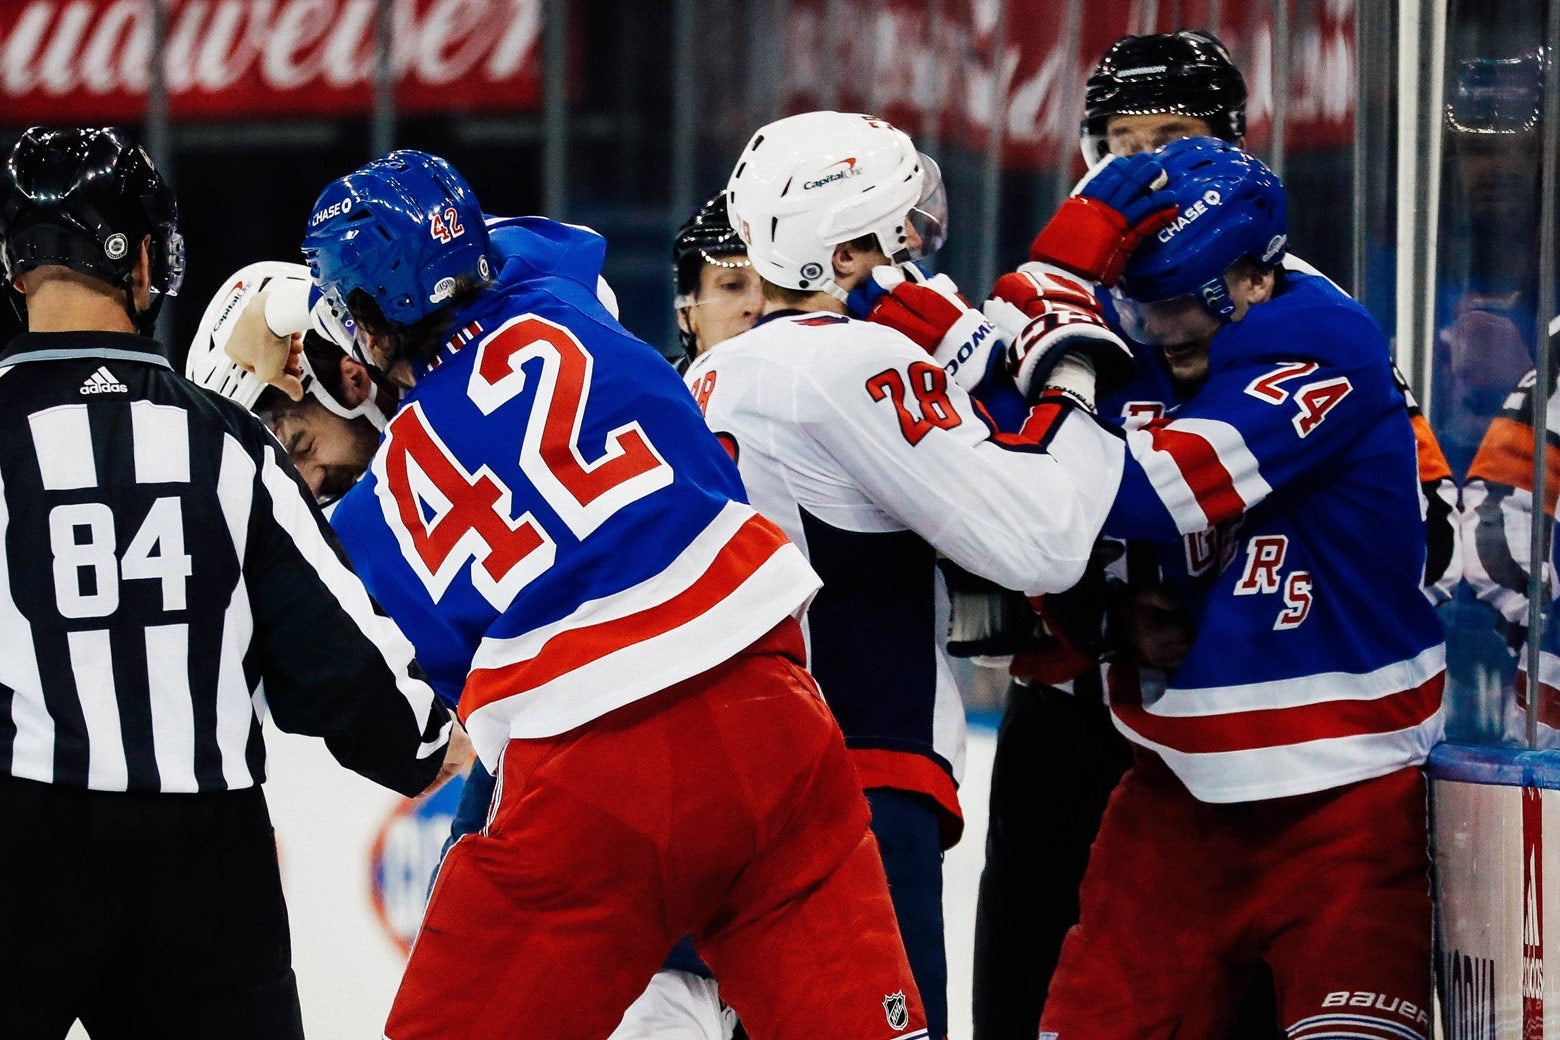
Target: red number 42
[[446, 517]]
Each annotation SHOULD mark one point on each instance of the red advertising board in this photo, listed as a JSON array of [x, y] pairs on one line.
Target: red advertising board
[[62, 60], [939, 68]]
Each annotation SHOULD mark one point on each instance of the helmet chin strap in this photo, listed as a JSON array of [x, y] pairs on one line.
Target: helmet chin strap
[[830, 286]]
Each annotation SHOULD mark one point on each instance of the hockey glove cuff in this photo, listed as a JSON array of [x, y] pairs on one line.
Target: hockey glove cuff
[[932, 314]]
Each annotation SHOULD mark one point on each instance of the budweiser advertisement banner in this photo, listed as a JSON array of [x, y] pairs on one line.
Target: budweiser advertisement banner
[[1496, 824], [954, 69], [63, 60]]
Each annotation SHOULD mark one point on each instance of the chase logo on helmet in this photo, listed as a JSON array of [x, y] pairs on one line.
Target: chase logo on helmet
[[838, 175], [321, 216], [1189, 214]]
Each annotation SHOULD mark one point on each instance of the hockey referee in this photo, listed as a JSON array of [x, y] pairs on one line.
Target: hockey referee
[[168, 581]]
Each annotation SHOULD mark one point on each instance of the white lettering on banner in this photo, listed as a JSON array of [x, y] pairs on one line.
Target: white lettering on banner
[[103, 47], [1023, 81]]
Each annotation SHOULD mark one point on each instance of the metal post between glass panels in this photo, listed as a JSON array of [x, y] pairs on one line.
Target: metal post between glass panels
[[382, 130], [991, 180], [157, 90], [685, 106], [555, 111], [1281, 78], [1537, 546], [1069, 106], [1421, 56]]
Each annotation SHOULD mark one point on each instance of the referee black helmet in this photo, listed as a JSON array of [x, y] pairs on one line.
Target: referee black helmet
[[1186, 73], [85, 198], [706, 238]]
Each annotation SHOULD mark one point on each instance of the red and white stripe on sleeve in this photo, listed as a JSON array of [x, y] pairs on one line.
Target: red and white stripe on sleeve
[[1201, 468]]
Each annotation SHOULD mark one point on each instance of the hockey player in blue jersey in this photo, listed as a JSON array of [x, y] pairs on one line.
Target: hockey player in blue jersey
[[1275, 812], [324, 406], [550, 521]]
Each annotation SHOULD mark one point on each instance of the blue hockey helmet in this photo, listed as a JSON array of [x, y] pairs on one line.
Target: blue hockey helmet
[[1230, 206], [405, 229]]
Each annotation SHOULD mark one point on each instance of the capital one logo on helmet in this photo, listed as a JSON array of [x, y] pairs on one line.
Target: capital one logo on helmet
[[837, 175], [1210, 199]]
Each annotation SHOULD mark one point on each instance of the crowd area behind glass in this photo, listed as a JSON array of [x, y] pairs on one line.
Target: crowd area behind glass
[[709, 72]]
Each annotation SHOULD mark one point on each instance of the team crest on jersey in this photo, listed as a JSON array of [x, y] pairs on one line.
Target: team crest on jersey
[[895, 1008]]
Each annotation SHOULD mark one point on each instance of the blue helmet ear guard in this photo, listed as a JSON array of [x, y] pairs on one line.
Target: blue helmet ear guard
[[1230, 206], [405, 229]]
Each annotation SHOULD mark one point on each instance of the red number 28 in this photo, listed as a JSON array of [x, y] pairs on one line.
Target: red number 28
[[929, 385]]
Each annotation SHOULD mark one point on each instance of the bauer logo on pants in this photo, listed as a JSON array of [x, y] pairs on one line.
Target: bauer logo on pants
[[896, 1010]]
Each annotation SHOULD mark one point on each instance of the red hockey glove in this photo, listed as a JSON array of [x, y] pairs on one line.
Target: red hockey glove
[[932, 313], [1114, 208], [1044, 314]]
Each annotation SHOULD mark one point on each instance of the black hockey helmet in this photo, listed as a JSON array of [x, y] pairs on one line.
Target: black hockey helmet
[[84, 198], [1187, 73], [706, 238]]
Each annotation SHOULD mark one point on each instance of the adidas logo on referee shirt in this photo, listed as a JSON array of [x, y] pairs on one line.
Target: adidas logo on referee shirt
[[103, 382]]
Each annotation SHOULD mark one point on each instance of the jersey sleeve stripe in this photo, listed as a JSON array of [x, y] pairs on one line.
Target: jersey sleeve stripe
[[1214, 463], [1273, 727], [289, 512], [726, 590], [236, 705]]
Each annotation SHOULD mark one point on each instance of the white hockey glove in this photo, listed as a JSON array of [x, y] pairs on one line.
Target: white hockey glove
[[1048, 317], [932, 313]]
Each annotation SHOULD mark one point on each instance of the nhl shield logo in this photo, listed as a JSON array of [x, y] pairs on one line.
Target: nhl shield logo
[[894, 1007]]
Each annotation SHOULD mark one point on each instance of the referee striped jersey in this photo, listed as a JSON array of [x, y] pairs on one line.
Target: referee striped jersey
[[168, 582]]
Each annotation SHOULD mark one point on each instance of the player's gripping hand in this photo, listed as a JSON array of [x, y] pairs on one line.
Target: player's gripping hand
[[932, 313], [255, 348], [1120, 203], [457, 756], [1045, 314]]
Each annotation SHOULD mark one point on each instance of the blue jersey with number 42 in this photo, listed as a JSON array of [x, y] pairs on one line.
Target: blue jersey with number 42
[[548, 517]]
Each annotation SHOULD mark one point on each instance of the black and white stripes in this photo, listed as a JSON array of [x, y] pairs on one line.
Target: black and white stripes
[[167, 581]]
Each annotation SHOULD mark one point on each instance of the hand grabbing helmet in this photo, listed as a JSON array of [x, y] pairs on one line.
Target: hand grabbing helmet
[[404, 229], [1231, 206], [1187, 73], [209, 365], [85, 199], [809, 182]]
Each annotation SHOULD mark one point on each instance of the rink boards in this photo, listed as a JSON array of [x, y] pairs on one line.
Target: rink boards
[[1496, 837]]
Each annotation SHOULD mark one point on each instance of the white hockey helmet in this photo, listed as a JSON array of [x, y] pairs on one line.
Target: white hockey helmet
[[809, 182], [208, 364]]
